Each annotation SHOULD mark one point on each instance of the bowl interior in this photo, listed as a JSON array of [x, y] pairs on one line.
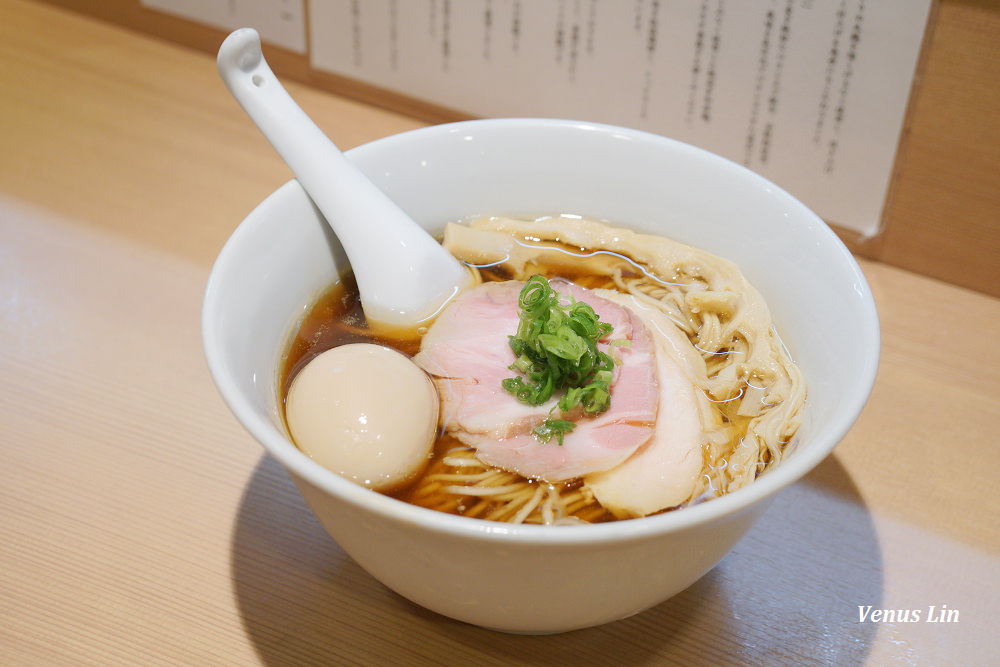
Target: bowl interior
[[283, 253]]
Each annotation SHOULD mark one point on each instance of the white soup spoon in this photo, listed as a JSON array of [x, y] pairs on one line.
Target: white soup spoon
[[404, 276]]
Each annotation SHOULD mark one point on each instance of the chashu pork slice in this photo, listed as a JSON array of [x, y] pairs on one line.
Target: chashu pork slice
[[665, 471], [467, 352]]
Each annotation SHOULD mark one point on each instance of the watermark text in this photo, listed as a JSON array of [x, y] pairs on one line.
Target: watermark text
[[932, 614]]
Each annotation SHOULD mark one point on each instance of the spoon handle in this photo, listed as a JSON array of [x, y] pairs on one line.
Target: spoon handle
[[403, 274]]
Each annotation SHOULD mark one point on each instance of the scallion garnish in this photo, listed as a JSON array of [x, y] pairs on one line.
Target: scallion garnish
[[556, 348]]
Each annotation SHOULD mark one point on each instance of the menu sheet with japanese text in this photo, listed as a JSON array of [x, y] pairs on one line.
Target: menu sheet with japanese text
[[811, 94], [279, 22]]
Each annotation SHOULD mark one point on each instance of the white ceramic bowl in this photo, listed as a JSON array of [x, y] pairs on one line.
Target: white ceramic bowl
[[537, 578]]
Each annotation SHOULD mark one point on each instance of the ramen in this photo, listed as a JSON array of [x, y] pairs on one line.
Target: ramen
[[685, 391]]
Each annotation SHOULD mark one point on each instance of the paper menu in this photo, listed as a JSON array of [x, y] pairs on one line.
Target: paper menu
[[809, 93], [279, 22]]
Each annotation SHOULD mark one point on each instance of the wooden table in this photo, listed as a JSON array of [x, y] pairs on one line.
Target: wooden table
[[139, 523]]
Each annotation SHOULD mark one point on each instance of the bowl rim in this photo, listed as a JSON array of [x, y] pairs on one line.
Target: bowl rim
[[299, 464]]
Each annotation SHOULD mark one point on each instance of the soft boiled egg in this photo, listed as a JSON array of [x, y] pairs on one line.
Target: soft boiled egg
[[366, 412]]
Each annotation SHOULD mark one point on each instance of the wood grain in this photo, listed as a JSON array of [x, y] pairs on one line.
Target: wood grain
[[139, 524], [943, 212]]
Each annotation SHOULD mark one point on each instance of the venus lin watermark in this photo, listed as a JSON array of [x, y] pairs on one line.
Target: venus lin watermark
[[932, 614]]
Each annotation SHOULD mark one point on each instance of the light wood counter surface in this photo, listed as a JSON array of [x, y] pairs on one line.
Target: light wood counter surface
[[140, 525]]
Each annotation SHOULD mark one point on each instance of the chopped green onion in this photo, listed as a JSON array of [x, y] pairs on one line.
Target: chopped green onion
[[553, 427], [556, 349]]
